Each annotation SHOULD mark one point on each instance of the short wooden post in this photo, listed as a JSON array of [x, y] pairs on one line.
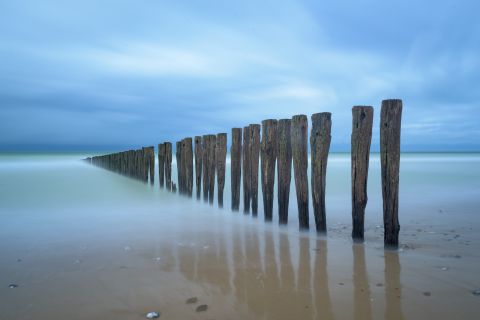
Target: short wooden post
[[299, 132], [220, 163], [151, 164], [246, 170], [235, 167], [362, 120], [178, 154], [284, 168], [268, 158], [168, 165], [198, 165], [161, 164], [254, 160], [188, 165], [320, 145], [390, 126], [211, 167], [206, 179], [144, 164]]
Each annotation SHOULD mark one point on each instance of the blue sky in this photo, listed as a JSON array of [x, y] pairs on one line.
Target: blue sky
[[112, 74]]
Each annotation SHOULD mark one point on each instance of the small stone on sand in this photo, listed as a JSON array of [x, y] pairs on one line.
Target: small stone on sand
[[152, 315], [192, 300], [202, 307], [379, 284], [476, 292], [427, 293]]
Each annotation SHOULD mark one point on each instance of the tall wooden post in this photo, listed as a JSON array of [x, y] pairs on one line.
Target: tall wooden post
[[168, 165], [284, 168], [198, 165], [320, 145], [235, 167], [220, 160], [362, 120], [390, 126], [254, 159], [246, 170], [187, 159], [161, 164], [268, 158], [300, 166]]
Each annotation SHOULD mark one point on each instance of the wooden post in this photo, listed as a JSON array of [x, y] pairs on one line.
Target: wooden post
[[211, 167], [178, 154], [235, 167], [168, 165], [188, 165], [300, 166], [151, 164], [284, 168], [161, 164], [246, 170], [254, 159], [206, 179], [198, 165], [220, 160], [362, 120], [390, 126], [146, 163], [319, 146], [268, 158]]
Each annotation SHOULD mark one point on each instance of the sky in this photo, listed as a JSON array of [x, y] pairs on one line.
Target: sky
[[115, 75]]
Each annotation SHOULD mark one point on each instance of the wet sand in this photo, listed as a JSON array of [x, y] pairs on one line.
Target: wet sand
[[98, 255]]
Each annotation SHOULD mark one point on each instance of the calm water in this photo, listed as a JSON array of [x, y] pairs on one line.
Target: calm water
[[85, 243]]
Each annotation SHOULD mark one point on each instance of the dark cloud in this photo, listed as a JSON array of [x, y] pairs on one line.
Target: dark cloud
[[118, 74]]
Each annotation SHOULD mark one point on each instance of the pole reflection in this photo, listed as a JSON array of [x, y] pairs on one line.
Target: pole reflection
[[274, 275], [362, 309]]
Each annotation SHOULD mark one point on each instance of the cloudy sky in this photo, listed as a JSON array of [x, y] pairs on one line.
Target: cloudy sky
[[113, 74]]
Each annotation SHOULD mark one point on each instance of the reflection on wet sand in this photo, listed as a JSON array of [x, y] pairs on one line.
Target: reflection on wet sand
[[393, 286], [272, 275], [322, 294], [362, 308]]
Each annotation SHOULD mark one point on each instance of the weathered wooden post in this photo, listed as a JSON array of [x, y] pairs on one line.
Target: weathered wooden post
[[188, 165], [178, 154], [254, 158], [206, 179], [284, 168], [235, 167], [362, 120], [390, 126], [299, 132], [140, 172], [211, 167], [168, 165], [145, 164], [319, 147], [161, 164], [247, 181], [198, 165], [268, 158], [151, 164], [220, 160]]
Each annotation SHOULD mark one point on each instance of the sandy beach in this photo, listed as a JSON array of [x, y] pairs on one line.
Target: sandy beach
[[101, 246]]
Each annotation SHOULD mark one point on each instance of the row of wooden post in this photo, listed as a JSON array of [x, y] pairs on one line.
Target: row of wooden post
[[280, 144], [138, 164]]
